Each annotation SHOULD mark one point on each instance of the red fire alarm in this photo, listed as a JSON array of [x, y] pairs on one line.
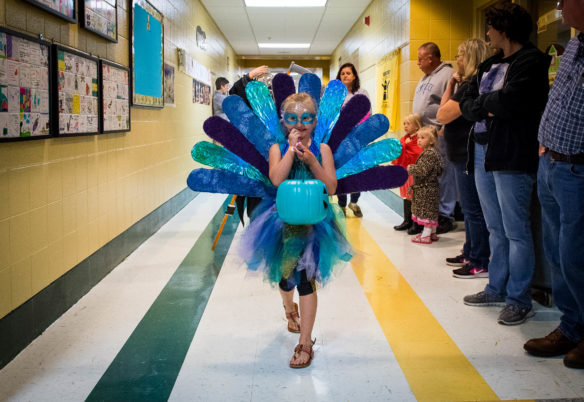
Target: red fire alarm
[[366, 20]]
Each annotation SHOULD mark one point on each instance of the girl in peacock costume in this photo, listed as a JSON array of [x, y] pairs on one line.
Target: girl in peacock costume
[[261, 151]]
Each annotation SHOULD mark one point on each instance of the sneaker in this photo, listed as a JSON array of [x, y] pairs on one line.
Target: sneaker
[[356, 209], [483, 299], [553, 344], [470, 272], [458, 261], [514, 314]]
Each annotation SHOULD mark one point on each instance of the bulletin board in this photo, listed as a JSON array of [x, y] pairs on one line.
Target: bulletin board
[[147, 55], [25, 84], [76, 100], [115, 97], [61, 8], [100, 17]]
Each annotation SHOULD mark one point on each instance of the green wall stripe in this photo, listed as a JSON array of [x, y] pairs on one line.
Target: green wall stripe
[[148, 364]]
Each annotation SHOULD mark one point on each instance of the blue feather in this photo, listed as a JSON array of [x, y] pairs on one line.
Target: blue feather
[[310, 83], [330, 108], [366, 132], [221, 181], [252, 128]]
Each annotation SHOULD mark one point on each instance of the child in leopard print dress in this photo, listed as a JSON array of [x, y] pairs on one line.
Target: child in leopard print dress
[[426, 190]]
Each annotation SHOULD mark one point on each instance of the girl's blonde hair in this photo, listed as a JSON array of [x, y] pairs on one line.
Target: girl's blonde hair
[[432, 131], [414, 119], [301, 97], [474, 51]]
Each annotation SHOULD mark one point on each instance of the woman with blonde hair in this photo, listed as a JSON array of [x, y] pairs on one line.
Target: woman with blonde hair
[[474, 260]]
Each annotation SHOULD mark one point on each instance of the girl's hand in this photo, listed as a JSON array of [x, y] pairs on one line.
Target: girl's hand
[[409, 169], [304, 154], [293, 137]]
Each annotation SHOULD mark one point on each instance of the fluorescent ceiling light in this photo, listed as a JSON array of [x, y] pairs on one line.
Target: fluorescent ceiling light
[[285, 3], [284, 45]]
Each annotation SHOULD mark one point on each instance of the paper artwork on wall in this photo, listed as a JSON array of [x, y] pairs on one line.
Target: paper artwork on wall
[[62, 8], [115, 104], [100, 17], [24, 87], [193, 68], [201, 93], [168, 85], [77, 92], [147, 54]]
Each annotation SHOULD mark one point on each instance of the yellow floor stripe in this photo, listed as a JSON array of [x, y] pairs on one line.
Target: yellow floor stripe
[[433, 365]]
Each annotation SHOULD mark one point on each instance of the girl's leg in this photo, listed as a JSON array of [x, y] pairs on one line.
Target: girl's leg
[[290, 308], [308, 310], [427, 231]]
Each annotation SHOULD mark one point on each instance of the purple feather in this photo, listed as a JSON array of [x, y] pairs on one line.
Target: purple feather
[[351, 114], [376, 178], [283, 87], [227, 135]]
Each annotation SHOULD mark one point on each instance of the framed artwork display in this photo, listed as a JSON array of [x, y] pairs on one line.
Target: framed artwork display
[[100, 17], [115, 97], [62, 8], [25, 85], [147, 55], [76, 100]]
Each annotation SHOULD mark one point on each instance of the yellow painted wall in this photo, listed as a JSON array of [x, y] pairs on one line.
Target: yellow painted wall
[[404, 24], [62, 199]]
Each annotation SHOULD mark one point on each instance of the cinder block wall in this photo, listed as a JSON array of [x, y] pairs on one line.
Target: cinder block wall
[[62, 199]]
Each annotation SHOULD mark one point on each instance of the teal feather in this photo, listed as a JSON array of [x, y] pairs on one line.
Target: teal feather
[[264, 107], [372, 155], [218, 157]]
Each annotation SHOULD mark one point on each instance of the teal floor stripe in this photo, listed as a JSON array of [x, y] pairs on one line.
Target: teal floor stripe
[[147, 366]]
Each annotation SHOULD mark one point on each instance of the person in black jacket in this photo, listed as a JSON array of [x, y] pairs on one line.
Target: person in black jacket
[[239, 89], [506, 102]]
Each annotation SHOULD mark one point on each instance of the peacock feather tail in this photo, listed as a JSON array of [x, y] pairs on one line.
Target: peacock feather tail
[[241, 165]]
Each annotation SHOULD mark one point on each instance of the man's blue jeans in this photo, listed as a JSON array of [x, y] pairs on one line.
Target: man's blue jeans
[[506, 199], [476, 246], [560, 187]]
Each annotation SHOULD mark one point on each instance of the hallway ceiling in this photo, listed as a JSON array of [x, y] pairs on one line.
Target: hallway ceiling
[[322, 27]]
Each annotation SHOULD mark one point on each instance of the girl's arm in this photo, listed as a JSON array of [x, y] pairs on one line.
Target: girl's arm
[[280, 165], [421, 168], [325, 172]]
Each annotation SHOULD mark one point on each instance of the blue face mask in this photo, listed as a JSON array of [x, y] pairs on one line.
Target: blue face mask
[[305, 118]]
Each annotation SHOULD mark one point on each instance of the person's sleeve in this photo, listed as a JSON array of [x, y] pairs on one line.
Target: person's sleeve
[[421, 168], [471, 102]]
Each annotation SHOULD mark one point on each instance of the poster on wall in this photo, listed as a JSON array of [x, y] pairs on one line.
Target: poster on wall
[[201, 93], [147, 55], [387, 101], [115, 97], [193, 68], [76, 99], [61, 8], [100, 17], [168, 85], [24, 87]]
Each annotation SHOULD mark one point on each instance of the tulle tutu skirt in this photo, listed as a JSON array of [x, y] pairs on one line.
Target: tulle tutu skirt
[[282, 251]]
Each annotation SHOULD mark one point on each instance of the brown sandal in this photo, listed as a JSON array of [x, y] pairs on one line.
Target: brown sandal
[[298, 350], [295, 317]]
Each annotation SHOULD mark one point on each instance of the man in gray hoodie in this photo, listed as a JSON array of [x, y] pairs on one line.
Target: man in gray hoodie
[[426, 103]]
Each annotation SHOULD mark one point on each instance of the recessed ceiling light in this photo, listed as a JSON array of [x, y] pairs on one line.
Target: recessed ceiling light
[[285, 3], [284, 45]]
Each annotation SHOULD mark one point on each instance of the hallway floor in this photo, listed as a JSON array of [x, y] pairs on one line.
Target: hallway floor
[[177, 321]]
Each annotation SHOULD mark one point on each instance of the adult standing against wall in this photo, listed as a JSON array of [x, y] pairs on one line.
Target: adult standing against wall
[[426, 102], [348, 75], [506, 102], [474, 260], [560, 185], [221, 89]]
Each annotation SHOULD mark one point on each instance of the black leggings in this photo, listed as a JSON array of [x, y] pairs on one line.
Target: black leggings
[[305, 287]]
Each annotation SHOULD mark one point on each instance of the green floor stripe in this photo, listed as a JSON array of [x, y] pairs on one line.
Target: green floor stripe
[[147, 366]]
